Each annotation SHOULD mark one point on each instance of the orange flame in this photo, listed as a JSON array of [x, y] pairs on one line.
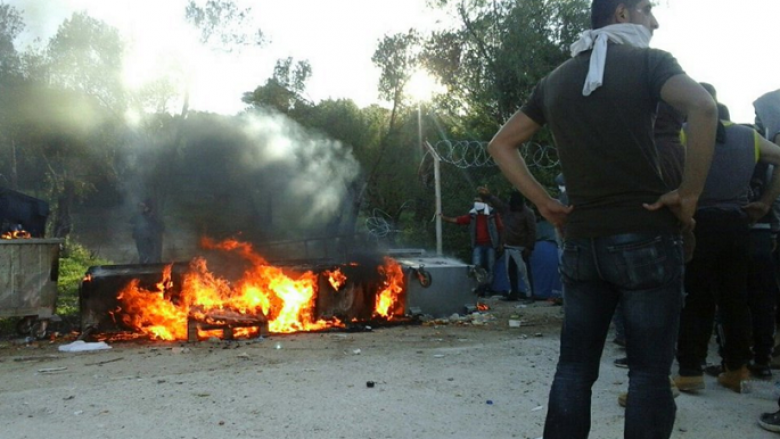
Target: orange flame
[[482, 307], [336, 278], [388, 300], [16, 234], [286, 300]]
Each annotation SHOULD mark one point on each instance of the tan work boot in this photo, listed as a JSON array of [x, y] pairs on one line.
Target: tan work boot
[[732, 379], [675, 390], [623, 397], [689, 383]]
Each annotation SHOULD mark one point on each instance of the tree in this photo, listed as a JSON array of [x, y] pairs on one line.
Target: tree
[[284, 91], [491, 62], [223, 25], [11, 25], [85, 110], [361, 129], [86, 55], [397, 57]]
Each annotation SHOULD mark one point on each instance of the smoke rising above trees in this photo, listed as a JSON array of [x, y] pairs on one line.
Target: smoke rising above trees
[[85, 127]]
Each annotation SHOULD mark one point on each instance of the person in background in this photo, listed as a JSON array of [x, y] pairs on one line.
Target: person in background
[[717, 275], [148, 233], [622, 240], [768, 112], [762, 277], [545, 277], [485, 228], [518, 239], [723, 110]]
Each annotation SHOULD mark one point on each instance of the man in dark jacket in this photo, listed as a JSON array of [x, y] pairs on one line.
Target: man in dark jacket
[[518, 240]]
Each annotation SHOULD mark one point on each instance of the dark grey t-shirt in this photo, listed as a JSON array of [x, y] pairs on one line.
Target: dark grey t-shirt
[[605, 140]]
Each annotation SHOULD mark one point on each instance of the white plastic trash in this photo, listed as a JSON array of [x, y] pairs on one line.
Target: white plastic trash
[[82, 346]]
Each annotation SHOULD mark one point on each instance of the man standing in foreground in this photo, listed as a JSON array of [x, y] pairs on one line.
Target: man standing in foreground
[[622, 236]]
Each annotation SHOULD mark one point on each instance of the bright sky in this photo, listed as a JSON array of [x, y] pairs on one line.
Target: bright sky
[[732, 45]]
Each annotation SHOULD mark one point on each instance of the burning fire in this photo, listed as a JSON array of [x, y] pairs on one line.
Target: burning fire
[[336, 278], [16, 234], [263, 293], [387, 301]]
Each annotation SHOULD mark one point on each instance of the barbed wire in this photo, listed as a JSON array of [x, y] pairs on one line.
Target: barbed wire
[[378, 225], [473, 153]]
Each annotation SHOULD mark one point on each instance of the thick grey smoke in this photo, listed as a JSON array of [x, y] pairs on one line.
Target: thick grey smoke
[[258, 176], [313, 173]]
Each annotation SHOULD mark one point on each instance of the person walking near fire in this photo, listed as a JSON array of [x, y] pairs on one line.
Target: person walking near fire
[[148, 233], [622, 241], [485, 229], [518, 240]]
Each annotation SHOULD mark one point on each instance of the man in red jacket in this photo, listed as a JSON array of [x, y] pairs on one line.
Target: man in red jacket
[[485, 232]]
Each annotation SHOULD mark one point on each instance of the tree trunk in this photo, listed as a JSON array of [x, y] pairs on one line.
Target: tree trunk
[[62, 220], [14, 181]]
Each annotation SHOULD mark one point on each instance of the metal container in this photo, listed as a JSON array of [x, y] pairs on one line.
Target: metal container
[[29, 269], [102, 283], [438, 286]]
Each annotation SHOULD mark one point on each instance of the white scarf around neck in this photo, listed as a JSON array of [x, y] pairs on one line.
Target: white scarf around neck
[[624, 33], [486, 211]]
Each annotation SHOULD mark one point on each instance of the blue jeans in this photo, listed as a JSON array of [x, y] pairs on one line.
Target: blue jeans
[[643, 273], [484, 256]]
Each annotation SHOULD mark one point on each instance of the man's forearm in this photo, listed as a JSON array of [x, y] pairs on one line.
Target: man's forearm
[[516, 171], [504, 150]]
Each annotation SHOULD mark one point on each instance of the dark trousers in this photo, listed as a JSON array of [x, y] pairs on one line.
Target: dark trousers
[[643, 273], [149, 249], [762, 295], [716, 277]]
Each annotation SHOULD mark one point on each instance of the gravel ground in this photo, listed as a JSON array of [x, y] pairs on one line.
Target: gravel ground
[[434, 380]]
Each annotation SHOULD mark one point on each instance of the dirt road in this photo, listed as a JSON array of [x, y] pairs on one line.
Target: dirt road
[[437, 380]]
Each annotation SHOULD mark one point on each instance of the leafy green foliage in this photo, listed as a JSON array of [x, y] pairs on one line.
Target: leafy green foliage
[[11, 25], [284, 91], [86, 55], [73, 266], [223, 24], [64, 107], [397, 57], [492, 60]]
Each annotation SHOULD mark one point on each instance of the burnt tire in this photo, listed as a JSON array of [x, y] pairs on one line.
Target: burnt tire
[[33, 327]]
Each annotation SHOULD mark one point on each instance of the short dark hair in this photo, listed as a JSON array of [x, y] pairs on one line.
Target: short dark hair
[[601, 11], [516, 201]]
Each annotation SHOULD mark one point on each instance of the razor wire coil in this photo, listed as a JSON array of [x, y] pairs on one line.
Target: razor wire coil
[[379, 226], [473, 153]]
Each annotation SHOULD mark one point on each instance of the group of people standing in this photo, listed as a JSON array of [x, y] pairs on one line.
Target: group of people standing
[[662, 222], [506, 231]]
